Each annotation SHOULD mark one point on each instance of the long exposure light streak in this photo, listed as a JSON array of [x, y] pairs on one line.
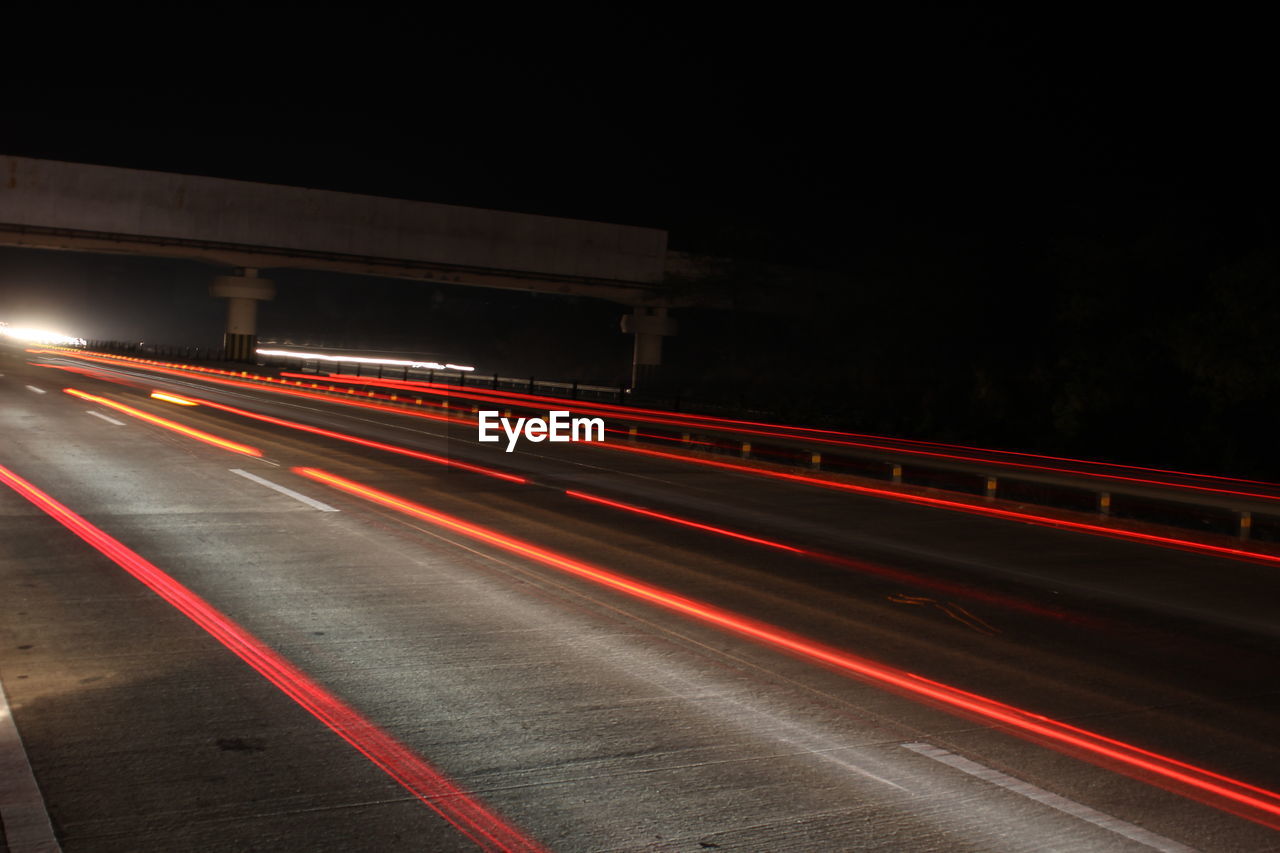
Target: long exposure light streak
[[91, 373], [190, 432], [364, 442], [890, 443], [707, 421], [359, 359], [460, 808], [276, 389], [976, 509], [862, 567], [885, 445], [1251, 801], [171, 398], [720, 531], [940, 503], [858, 566]]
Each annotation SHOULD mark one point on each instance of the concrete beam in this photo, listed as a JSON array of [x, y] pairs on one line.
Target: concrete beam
[[83, 207], [263, 257]]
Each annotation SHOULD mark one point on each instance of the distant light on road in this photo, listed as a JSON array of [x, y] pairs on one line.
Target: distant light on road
[[356, 359], [37, 336]]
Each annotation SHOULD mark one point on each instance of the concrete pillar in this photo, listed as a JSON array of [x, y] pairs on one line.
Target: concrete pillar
[[242, 292], [650, 324]]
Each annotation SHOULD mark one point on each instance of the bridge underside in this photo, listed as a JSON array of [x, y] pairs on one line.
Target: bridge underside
[[267, 257]]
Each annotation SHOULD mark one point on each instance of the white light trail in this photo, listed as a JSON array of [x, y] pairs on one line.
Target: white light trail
[[357, 359]]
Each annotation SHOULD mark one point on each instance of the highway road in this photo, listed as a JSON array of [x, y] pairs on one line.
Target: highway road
[[219, 632]]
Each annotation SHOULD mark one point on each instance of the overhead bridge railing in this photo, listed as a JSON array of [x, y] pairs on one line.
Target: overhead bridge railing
[[1216, 505]]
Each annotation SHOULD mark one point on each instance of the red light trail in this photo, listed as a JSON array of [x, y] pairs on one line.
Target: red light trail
[[748, 428], [364, 442], [292, 392], [461, 809], [843, 562], [859, 566], [939, 503], [1250, 801], [708, 421], [190, 432], [976, 509], [719, 531]]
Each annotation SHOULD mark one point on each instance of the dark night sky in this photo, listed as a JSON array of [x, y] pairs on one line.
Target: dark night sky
[[809, 137], [1026, 178]]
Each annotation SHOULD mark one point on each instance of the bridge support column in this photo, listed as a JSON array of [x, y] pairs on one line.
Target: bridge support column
[[242, 292], [650, 324]]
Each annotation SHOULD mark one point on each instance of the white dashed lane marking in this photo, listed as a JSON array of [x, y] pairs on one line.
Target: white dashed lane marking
[[1053, 801], [311, 502], [109, 420]]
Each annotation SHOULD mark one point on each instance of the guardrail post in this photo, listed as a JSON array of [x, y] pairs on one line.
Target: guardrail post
[[895, 473], [1104, 503], [531, 385], [990, 491], [1246, 524]]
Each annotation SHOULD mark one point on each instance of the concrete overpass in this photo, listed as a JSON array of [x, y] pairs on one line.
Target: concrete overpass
[[244, 227]]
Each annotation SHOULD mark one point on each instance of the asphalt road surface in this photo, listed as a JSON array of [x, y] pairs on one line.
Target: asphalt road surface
[[391, 653]]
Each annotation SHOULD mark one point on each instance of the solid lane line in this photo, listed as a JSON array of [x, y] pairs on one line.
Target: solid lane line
[[106, 418], [37, 390], [488, 830], [311, 502], [22, 809], [1053, 801]]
